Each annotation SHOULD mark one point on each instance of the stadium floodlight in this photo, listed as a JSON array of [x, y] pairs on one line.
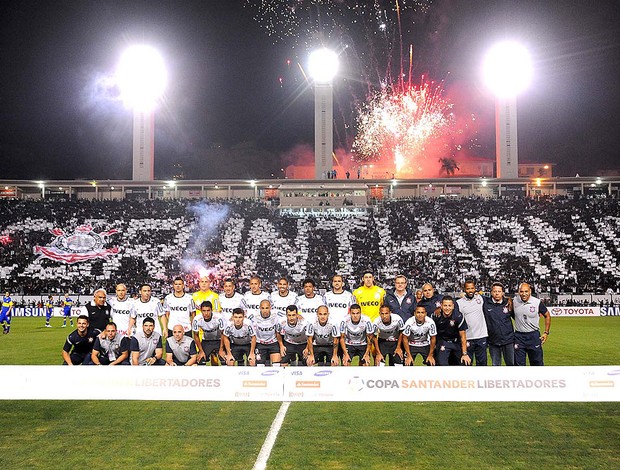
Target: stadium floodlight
[[508, 72], [142, 78], [323, 67]]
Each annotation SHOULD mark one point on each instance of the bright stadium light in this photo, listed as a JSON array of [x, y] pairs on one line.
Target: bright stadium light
[[323, 67], [508, 72], [142, 78]]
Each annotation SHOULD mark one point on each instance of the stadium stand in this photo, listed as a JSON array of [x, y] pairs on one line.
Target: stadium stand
[[562, 245]]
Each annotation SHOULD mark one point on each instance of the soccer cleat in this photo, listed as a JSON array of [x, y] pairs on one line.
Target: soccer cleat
[[63, 326], [48, 326]]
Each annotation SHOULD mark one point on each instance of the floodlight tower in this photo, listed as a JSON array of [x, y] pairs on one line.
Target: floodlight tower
[[142, 78], [323, 66], [508, 71]]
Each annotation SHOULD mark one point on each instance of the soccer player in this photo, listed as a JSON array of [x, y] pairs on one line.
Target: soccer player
[[387, 337], [97, 310], [112, 349], [254, 297], [309, 301], [356, 336], [67, 303], [49, 311], [6, 312], [231, 300], [205, 293], [79, 344], [239, 340], [211, 324], [419, 337], [528, 340], [401, 299], [338, 300], [296, 338], [451, 338], [120, 309], [268, 343], [369, 296], [471, 306], [325, 339], [146, 345], [282, 298], [179, 307], [147, 306], [180, 348], [498, 314]]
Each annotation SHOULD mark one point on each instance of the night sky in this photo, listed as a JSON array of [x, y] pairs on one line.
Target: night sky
[[232, 97]]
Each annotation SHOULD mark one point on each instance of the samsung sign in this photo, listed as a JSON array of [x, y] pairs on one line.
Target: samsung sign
[[610, 311]]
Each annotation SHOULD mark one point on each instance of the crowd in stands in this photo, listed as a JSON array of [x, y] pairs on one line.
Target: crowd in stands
[[561, 245]]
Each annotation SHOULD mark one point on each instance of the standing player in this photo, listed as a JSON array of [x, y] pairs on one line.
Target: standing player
[[471, 306], [401, 299], [268, 343], [230, 300], [498, 314], [67, 303], [387, 337], [146, 345], [111, 349], [180, 348], [79, 344], [120, 309], [282, 298], [179, 307], [211, 325], [97, 310], [369, 296], [451, 338], [147, 306], [419, 337], [205, 293], [239, 340], [49, 310], [296, 339], [254, 297], [356, 336], [310, 301], [325, 339], [338, 300], [6, 312], [528, 340]]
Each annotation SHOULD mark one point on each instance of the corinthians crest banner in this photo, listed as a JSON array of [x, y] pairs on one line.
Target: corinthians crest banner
[[82, 245]]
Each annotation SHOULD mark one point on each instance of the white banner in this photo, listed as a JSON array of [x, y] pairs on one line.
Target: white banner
[[596, 383], [575, 311]]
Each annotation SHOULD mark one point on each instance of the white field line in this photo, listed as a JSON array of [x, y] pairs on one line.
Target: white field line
[[270, 440]]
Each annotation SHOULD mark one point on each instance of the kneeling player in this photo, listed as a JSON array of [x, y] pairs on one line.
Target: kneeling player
[[180, 349], [239, 340], [387, 337], [356, 336], [419, 337], [79, 344], [324, 340], [268, 343], [112, 349], [211, 324], [295, 337]]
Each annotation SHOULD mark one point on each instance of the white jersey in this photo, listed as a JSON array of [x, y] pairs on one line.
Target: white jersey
[[252, 303], [355, 333], [307, 306], [140, 310], [212, 329], [242, 335], [338, 305], [228, 304], [391, 330], [323, 335], [474, 316], [119, 313], [180, 310], [279, 303], [297, 333], [266, 328], [417, 334]]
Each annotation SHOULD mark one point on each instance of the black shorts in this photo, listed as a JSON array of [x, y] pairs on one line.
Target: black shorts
[[211, 348], [323, 355], [387, 349], [421, 350], [357, 350], [238, 351], [265, 351], [294, 352]]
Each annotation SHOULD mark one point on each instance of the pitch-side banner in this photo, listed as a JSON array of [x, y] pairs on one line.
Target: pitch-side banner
[[596, 383]]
